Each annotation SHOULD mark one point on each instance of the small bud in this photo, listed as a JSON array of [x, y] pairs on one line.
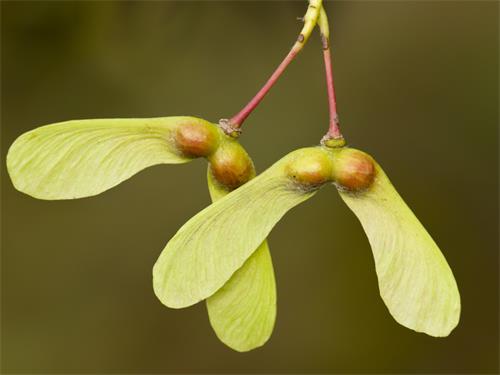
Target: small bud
[[354, 170], [311, 168], [196, 139], [230, 165]]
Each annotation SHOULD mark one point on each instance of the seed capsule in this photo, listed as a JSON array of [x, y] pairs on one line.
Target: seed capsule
[[311, 168], [230, 165], [354, 170], [196, 139]]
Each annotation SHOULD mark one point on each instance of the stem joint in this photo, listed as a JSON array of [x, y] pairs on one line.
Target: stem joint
[[228, 127]]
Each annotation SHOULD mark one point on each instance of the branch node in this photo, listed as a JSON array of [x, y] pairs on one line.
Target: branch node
[[324, 42], [232, 130], [332, 142]]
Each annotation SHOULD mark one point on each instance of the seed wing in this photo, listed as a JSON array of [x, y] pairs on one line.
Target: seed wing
[[215, 243], [415, 281], [81, 158], [243, 311]]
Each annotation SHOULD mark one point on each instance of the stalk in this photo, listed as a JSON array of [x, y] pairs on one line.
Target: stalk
[[333, 137], [233, 125]]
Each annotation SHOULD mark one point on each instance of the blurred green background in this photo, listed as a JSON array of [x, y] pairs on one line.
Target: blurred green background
[[417, 88]]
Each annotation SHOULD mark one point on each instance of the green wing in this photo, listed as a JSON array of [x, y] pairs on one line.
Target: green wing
[[212, 245], [81, 158], [243, 311], [415, 281]]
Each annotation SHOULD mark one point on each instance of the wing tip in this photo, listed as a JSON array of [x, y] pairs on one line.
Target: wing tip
[[439, 325], [175, 301], [174, 298], [242, 346]]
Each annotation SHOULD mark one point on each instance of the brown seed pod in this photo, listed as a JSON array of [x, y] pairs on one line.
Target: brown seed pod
[[354, 170], [230, 165], [311, 168], [196, 139]]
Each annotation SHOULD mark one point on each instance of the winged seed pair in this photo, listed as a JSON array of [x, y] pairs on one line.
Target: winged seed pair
[[221, 254]]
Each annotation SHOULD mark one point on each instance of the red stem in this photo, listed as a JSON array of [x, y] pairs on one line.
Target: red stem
[[237, 120], [333, 129]]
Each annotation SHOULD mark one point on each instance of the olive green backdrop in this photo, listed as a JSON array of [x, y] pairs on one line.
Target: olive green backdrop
[[417, 88]]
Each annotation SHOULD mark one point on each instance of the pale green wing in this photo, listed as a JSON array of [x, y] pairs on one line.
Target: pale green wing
[[415, 281], [216, 242], [243, 311], [81, 158]]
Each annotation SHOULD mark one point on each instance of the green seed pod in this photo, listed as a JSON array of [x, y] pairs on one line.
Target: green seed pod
[[353, 170], [230, 165], [214, 244], [415, 281], [82, 158], [197, 139], [311, 168], [242, 312]]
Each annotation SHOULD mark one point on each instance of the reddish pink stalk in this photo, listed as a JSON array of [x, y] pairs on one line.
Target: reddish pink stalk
[[333, 129], [237, 120]]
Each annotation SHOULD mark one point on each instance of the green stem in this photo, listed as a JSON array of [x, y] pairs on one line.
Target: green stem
[[333, 137], [233, 125]]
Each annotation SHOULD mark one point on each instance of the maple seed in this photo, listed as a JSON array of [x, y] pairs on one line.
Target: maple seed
[[311, 169], [354, 170], [231, 166], [196, 139]]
